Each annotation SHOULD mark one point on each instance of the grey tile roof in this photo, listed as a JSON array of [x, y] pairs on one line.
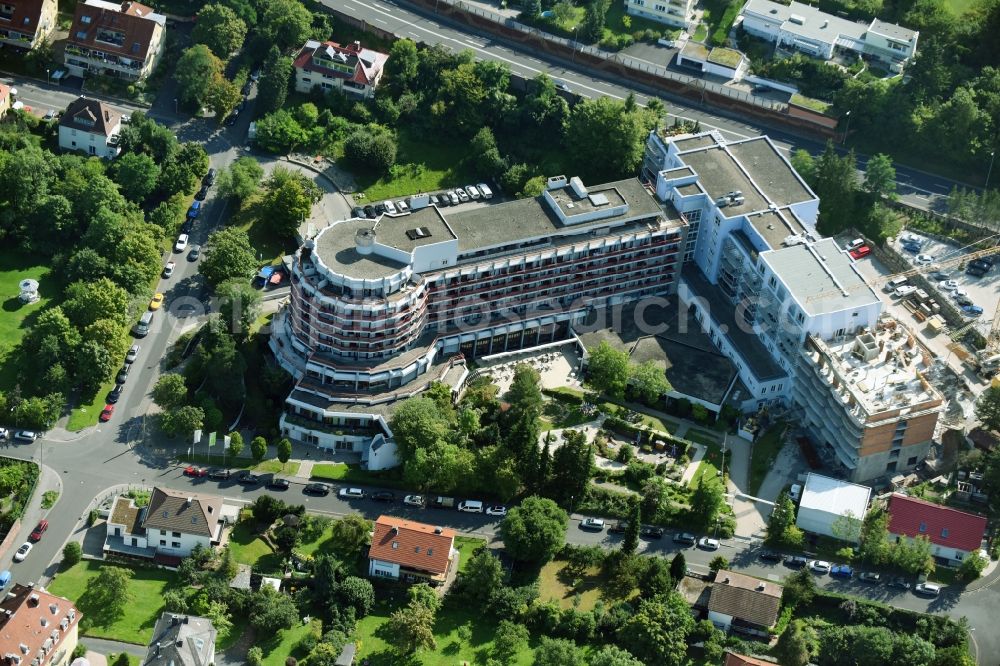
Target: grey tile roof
[[186, 512], [181, 640], [91, 116]]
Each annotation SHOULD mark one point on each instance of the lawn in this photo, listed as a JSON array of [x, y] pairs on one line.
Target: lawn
[[467, 546], [719, 15], [451, 648], [277, 651], [136, 624], [269, 247], [614, 23], [424, 163], [290, 468], [702, 437], [564, 416], [247, 548], [817, 105], [556, 585], [763, 454], [353, 473], [85, 415], [17, 317]]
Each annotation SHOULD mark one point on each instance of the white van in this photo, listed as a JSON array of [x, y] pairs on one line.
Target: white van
[[471, 506], [894, 284], [856, 243], [141, 328], [485, 189], [905, 290]]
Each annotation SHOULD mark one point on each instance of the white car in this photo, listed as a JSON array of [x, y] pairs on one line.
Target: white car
[[958, 293], [182, 242], [22, 552], [4, 433], [950, 285], [928, 589], [462, 194], [905, 290], [472, 191], [351, 493], [390, 207], [924, 259], [496, 510], [706, 543], [168, 270], [401, 206], [595, 524], [413, 500], [819, 566], [453, 198]]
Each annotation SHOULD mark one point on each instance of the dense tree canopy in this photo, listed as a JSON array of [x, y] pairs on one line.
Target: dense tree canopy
[[534, 530]]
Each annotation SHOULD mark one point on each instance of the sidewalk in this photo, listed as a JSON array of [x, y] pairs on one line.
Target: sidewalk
[[48, 479]]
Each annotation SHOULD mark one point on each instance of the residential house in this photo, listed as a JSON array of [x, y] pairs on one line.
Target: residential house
[[833, 508], [5, 100], [807, 29], [352, 69], [727, 63], [734, 659], [953, 534], [743, 603], [37, 628], [90, 126], [123, 40], [412, 552], [676, 13], [27, 23], [169, 528], [181, 640]]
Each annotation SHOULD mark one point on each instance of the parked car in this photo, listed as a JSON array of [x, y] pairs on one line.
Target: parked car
[[133, 353], [114, 394], [317, 489], [905, 290], [168, 270], [22, 552], [402, 206], [370, 212], [26, 435], [949, 285], [188, 226], [795, 561], [471, 506], [181, 243], [924, 259], [4, 434], [351, 493], [707, 543], [383, 496], [939, 276], [485, 190], [414, 500], [246, 478], [463, 196], [963, 301], [841, 571], [926, 589], [122, 374], [434, 201], [870, 577], [156, 301], [358, 212], [454, 198], [819, 566], [277, 483], [36, 534], [194, 471], [912, 248], [472, 191], [595, 524], [195, 253], [195, 210], [390, 207], [4, 579], [209, 178], [219, 474], [651, 532], [900, 582], [861, 252], [685, 538], [769, 556], [233, 117], [107, 412], [619, 527], [202, 193], [972, 310], [496, 510]]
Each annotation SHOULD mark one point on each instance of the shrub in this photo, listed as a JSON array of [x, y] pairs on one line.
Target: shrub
[[255, 656], [72, 552]]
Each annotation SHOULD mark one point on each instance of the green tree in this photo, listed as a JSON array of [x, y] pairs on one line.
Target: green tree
[[803, 162], [258, 449], [611, 655], [285, 23], [182, 421], [286, 205], [718, 562], [255, 656], [649, 381], [228, 256], [781, 528], [418, 424], [988, 408], [222, 96], [913, 555], [972, 567], [72, 552], [279, 132], [572, 469], [270, 611], [880, 177], [196, 72], [796, 645], [835, 182], [375, 150], [220, 29], [657, 631], [482, 577], [402, 67], [170, 392], [531, 9], [350, 534], [241, 179], [110, 591], [284, 450], [357, 593], [707, 501], [558, 652], [847, 527], [486, 157], [411, 628], [630, 542], [508, 640], [619, 137], [239, 306], [800, 588], [608, 370], [272, 88], [86, 302], [535, 530], [136, 175], [875, 548], [592, 27]]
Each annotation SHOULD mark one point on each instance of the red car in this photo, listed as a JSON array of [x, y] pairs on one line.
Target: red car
[[109, 409], [191, 470], [39, 531], [860, 252]]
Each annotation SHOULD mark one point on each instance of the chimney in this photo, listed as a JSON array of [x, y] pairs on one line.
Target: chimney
[[357, 46], [174, 620], [726, 580], [438, 529], [394, 530], [760, 586], [189, 501]]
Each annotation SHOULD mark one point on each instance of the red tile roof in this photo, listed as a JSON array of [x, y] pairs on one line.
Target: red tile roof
[[135, 22], [733, 659], [38, 621], [417, 545], [944, 526], [367, 63], [26, 16]]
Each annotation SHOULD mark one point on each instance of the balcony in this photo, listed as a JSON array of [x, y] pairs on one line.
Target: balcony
[[339, 430]]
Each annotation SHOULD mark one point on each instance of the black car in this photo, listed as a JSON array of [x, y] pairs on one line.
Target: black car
[[383, 496], [685, 539], [870, 577], [899, 582], [278, 484], [370, 212], [122, 374], [219, 474], [115, 393], [233, 117], [380, 209], [651, 532], [202, 193], [317, 489], [194, 253], [188, 226], [247, 478], [619, 527], [209, 178], [795, 561], [769, 556], [359, 212], [247, 87]]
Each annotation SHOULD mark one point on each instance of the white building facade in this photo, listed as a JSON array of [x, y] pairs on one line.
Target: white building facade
[[675, 13]]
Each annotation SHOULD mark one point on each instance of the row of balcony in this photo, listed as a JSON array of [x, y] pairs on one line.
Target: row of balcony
[[360, 315], [340, 430], [106, 59], [384, 339]]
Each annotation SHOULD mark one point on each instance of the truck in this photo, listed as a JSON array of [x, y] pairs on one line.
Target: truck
[[444, 502]]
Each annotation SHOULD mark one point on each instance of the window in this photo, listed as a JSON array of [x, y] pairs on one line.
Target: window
[[176, 535], [923, 527], [395, 545], [912, 461], [163, 542], [416, 549], [661, 8], [81, 34], [85, 20], [430, 551], [944, 532], [175, 544]]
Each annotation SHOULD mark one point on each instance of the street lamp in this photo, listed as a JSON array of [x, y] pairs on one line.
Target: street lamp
[[47, 70], [175, 106], [847, 129], [990, 170], [575, 44]]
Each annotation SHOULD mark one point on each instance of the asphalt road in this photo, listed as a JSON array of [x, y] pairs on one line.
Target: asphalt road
[[917, 188]]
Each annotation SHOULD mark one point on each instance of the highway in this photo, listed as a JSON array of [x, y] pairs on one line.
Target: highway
[[916, 188]]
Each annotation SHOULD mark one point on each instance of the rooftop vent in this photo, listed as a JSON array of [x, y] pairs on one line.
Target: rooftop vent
[[54, 609], [726, 580], [599, 199], [364, 240], [761, 586], [438, 530], [33, 600], [578, 188], [796, 19], [418, 233], [24, 648], [555, 182]]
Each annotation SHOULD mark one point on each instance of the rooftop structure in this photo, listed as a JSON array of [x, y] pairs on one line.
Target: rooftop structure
[[945, 527], [92, 116], [833, 508], [37, 628], [181, 640], [744, 598]]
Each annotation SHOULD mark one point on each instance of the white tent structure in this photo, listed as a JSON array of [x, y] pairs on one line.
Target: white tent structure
[[29, 291]]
